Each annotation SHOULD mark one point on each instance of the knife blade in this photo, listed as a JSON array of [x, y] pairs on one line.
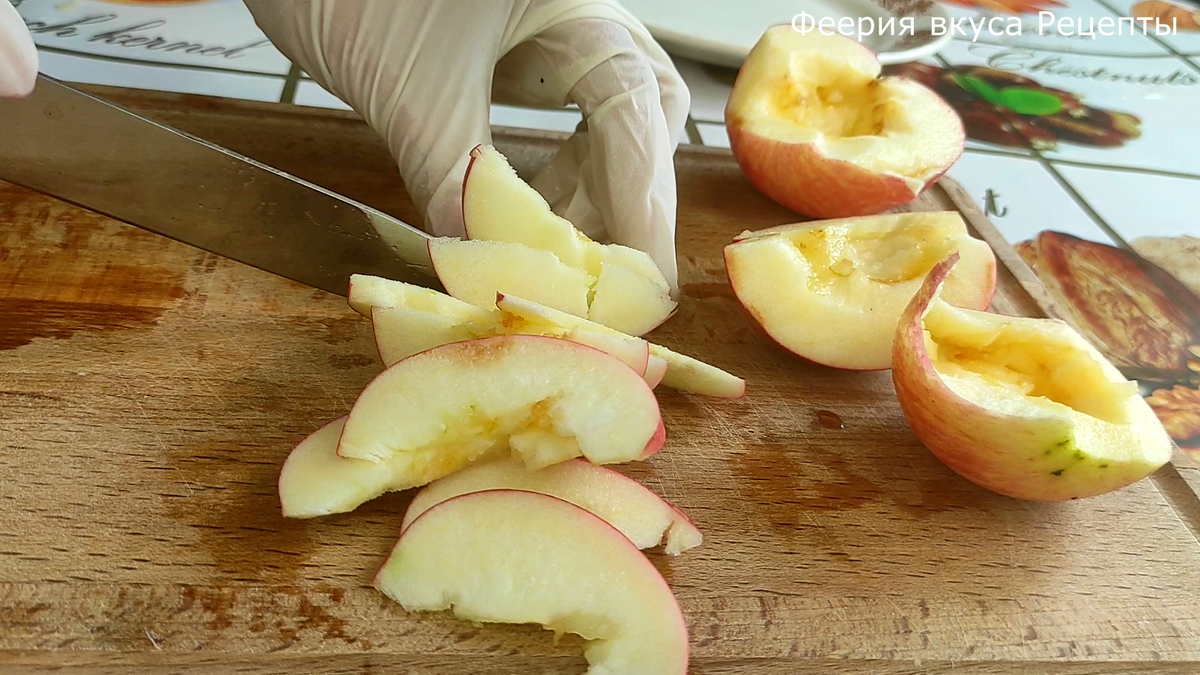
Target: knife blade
[[92, 153]]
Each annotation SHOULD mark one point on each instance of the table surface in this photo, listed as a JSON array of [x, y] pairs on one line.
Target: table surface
[[151, 391]]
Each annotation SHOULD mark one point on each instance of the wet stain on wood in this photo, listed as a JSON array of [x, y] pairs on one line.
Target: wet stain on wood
[[23, 321], [829, 420], [704, 291]]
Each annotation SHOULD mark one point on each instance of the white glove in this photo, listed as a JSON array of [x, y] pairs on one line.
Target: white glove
[[423, 75], [18, 56]]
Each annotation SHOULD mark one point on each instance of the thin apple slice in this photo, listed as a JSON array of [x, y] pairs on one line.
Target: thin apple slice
[[599, 255], [508, 556], [632, 296], [683, 372], [401, 332], [622, 502], [832, 291], [628, 301], [313, 466], [548, 399], [368, 291], [499, 206], [635, 352], [656, 369], [475, 271], [1023, 407], [316, 482]]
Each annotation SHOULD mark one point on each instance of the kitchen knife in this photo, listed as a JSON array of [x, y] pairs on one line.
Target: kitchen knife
[[91, 153]]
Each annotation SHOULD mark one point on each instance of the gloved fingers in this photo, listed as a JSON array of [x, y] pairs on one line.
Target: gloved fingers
[[620, 163], [18, 55], [419, 73]]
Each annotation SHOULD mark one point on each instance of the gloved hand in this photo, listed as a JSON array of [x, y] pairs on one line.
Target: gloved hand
[[423, 73], [18, 56]]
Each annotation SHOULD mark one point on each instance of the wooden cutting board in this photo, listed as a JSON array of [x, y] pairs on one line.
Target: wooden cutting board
[[149, 393]]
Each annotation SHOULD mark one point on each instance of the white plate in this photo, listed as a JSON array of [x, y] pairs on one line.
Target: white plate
[[721, 32]]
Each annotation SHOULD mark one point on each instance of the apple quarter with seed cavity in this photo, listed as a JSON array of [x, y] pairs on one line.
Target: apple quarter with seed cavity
[[1024, 407]]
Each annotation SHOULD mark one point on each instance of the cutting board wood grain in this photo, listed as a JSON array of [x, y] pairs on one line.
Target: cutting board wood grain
[[149, 393]]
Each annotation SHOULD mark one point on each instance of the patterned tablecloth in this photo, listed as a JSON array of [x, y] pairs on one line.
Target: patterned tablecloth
[[1112, 173]]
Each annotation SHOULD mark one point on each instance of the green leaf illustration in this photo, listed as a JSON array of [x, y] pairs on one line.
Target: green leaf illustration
[[978, 87], [1027, 101], [1021, 100]]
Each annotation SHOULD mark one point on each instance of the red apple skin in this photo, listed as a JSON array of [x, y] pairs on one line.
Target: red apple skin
[[657, 441], [463, 197], [982, 446], [799, 177]]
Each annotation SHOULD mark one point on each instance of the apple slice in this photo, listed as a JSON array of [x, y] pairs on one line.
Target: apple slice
[[316, 482], [1023, 407], [656, 369], [547, 399], [630, 293], [814, 126], [628, 301], [832, 291], [622, 502], [683, 372], [368, 291], [401, 332], [499, 206], [634, 352], [510, 556], [474, 271]]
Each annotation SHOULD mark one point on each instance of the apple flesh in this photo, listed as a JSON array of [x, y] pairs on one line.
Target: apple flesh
[[642, 516], [543, 399], [682, 372], [367, 292], [833, 291], [316, 482], [656, 370], [402, 328], [398, 335], [509, 556], [628, 291], [475, 271], [814, 127], [1023, 407], [626, 300], [401, 332], [499, 206]]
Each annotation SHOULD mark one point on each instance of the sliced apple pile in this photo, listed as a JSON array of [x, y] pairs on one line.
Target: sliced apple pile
[[408, 319], [833, 291], [642, 516], [517, 245], [1023, 407], [813, 126], [511, 556]]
